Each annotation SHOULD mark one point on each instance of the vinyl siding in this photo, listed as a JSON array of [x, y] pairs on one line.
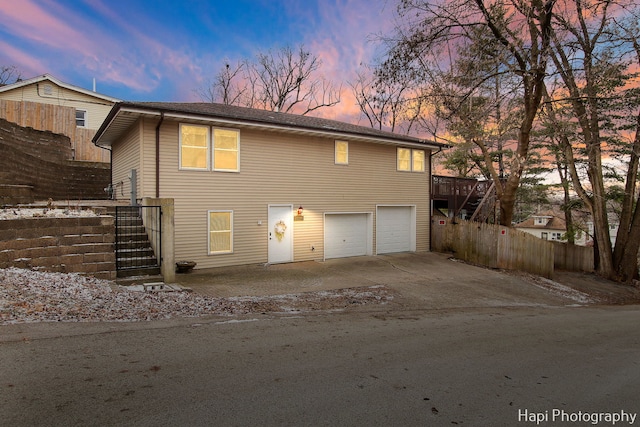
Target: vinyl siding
[[96, 108], [126, 156], [277, 169]]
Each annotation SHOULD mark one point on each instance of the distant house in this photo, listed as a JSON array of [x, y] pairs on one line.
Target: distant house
[[550, 225], [253, 186], [545, 225], [46, 103]]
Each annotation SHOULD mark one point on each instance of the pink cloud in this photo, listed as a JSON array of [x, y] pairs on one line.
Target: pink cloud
[[28, 20], [117, 52], [127, 68], [346, 40], [29, 65]]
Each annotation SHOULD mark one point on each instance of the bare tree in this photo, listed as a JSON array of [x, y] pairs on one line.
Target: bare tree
[[385, 104], [9, 74], [593, 55], [286, 80], [516, 33], [224, 89]]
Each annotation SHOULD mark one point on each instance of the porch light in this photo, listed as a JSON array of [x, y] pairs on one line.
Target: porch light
[[300, 210]]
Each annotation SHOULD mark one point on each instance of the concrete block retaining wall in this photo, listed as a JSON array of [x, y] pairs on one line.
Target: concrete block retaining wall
[[83, 245], [37, 165]]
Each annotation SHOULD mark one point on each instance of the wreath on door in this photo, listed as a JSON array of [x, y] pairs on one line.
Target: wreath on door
[[280, 229]]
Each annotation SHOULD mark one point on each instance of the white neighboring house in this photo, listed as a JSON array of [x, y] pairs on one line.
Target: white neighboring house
[[545, 225], [46, 103]]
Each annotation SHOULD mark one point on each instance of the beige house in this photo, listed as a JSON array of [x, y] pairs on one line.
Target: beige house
[[253, 186], [46, 103]]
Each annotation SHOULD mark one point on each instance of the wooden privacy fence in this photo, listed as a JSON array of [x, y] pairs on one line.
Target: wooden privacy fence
[[572, 257], [57, 119], [497, 246]]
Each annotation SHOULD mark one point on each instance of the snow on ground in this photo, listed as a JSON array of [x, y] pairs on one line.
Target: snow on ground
[[558, 288], [32, 296], [21, 213]]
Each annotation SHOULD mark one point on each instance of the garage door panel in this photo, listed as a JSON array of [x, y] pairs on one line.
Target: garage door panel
[[346, 235], [395, 229]]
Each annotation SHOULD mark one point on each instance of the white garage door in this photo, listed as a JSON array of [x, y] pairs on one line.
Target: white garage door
[[395, 229], [346, 235]]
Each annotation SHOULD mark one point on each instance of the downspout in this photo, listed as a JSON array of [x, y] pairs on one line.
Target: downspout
[[431, 154], [158, 155]]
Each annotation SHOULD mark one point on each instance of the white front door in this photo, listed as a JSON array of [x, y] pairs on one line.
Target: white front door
[[280, 233]]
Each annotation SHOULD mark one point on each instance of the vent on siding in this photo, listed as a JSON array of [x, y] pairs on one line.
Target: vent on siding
[[48, 90]]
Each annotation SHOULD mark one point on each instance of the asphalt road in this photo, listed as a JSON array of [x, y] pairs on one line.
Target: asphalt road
[[375, 367]]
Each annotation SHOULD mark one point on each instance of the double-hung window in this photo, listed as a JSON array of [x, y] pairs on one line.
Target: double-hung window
[[226, 150], [409, 160], [194, 147], [220, 232], [81, 118], [342, 153], [204, 148]]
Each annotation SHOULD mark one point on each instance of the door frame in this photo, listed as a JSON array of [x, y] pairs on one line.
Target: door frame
[[270, 236]]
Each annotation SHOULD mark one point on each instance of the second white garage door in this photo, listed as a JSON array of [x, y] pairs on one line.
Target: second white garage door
[[347, 235], [395, 229]]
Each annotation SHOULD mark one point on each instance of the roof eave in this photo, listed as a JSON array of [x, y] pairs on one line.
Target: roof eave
[[123, 108], [62, 84]]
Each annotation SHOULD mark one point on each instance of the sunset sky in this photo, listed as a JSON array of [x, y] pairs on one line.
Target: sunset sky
[[165, 50]]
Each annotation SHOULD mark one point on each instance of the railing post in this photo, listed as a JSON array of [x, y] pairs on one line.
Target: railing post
[[166, 224]]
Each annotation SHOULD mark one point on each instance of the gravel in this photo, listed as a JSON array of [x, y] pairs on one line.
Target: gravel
[[35, 296]]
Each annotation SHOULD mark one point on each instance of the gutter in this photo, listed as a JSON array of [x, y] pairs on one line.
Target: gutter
[[158, 154], [396, 140]]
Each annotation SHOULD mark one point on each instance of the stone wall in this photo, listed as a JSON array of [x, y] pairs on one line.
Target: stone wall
[[82, 245], [37, 165]]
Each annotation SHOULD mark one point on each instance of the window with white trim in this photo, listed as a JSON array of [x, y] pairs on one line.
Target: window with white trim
[[220, 232], [342, 153], [81, 118], [409, 160], [418, 160], [226, 150], [537, 220], [194, 147]]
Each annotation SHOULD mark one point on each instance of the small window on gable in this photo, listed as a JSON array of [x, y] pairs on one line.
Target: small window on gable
[[540, 220], [226, 150], [194, 147], [342, 153], [220, 232], [81, 118]]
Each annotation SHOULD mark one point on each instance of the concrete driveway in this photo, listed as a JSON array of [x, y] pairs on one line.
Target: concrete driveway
[[430, 279]]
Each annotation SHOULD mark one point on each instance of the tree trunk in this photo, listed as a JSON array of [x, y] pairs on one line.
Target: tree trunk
[[627, 266]]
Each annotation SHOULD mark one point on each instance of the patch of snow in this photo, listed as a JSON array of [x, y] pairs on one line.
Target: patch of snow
[[564, 291], [21, 213], [237, 321], [35, 296]]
